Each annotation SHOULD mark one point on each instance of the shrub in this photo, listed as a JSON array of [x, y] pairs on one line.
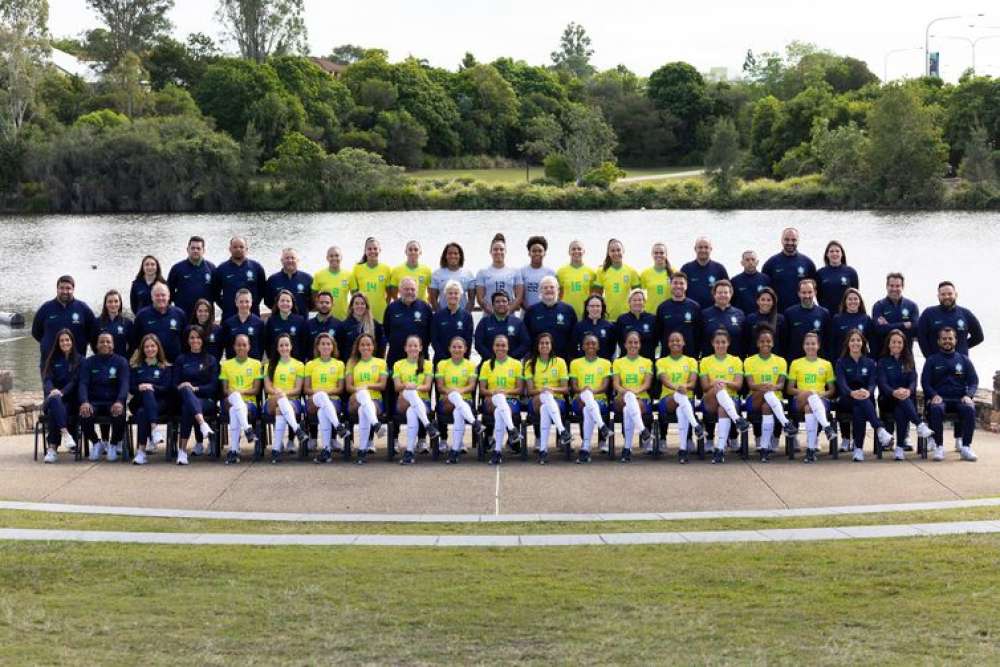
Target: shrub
[[558, 169]]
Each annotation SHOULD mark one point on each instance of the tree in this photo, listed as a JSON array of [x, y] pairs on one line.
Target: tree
[[133, 25], [181, 64], [645, 133], [405, 138], [298, 163], [542, 137], [906, 153], [24, 47], [722, 156], [679, 88], [262, 28], [327, 102], [977, 166], [489, 109], [768, 114], [842, 153], [127, 83], [346, 54], [587, 140], [574, 51]]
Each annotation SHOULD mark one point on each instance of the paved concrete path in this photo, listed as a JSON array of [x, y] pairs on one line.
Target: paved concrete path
[[472, 488], [617, 539], [659, 177]]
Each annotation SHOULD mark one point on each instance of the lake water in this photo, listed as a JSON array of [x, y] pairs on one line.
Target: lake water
[[102, 252]]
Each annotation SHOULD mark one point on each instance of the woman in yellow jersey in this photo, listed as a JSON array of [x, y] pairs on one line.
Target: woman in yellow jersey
[[615, 280], [283, 385], [633, 376], [456, 381], [412, 268], [500, 385], [366, 380], [334, 280], [721, 381], [241, 378], [811, 383], [324, 386], [575, 279], [547, 388], [766, 374], [590, 379], [678, 375], [413, 377], [656, 279], [371, 278]]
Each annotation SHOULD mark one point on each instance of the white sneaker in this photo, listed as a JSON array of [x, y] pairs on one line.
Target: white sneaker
[[938, 453], [859, 455], [182, 457], [924, 431], [140, 457], [159, 434], [199, 449], [113, 452], [423, 447], [67, 441], [205, 429], [97, 450], [967, 454], [884, 437], [899, 453], [51, 456], [150, 446], [605, 449]]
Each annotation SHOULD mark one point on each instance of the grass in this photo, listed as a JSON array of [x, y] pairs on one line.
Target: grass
[[516, 174], [46, 520], [900, 601]]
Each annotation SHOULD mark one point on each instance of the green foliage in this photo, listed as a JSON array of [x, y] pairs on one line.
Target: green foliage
[[172, 62], [173, 100], [602, 176], [327, 102], [978, 165], [574, 52], [405, 138], [679, 89], [298, 163], [102, 119], [24, 48], [587, 139], [346, 54], [975, 101], [722, 156], [558, 169], [906, 153], [842, 154], [132, 26], [645, 134], [262, 28], [489, 109]]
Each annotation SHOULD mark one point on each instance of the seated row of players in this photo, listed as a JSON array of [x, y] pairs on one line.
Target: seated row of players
[[99, 386]]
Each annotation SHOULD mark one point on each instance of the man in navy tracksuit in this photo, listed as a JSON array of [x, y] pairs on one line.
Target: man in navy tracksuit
[[246, 323], [102, 391], [162, 319], [554, 317], [722, 315], [322, 321], [895, 311], [787, 268], [406, 316], [63, 312], [950, 382], [679, 313], [236, 273], [968, 331], [502, 322], [702, 273], [804, 317], [748, 284], [191, 279], [299, 283]]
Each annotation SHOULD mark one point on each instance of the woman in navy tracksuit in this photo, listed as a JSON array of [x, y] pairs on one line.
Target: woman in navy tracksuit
[[595, 314], [856, 378], [59, 380], [204, 316], [196, 374], [151, 384], [897, 388]]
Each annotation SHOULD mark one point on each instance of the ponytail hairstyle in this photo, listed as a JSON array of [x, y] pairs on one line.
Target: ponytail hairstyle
[[364, 251], [607, 254], [493, 357], [273, 357], [335, 354], [529, 363], [355, 351]]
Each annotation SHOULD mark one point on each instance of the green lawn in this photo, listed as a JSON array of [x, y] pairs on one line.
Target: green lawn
[[46, 520], [900, 601], [516, 174]]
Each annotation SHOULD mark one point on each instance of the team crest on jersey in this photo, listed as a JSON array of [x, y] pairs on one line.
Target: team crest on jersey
[[559, 318], [76, 317], [121, 329], [458, 325], [843, 280], [760, 288], [801, 271], [960, 324], [208, 277], [211, 338], [300, 287], [510, 329], [156, 373], [734, 320], [958, 369], [603, 333], [417, 316], [249, 274], [861, 327], [250, 330], [864, 371], [711, 280], [816, 324], [645, 327], [293, 330], [173, 323], [112, 372], [687, 317], [381, 279]]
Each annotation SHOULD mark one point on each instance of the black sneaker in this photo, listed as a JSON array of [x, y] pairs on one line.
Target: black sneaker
[[250, 434], [232, 457], [907, 447], [810, 456], [718, 455], [302, 436], [566, 438], [496, 459], [432, 431], [682, 456], [275, 455], [362, 457], [408, 458], [626, 455], [514, 440], [452, 457], [830, 432], [583, 456], [699, 430], [478, 428], [373, 432], [790, 429], [742, 425], [324, 456], [343, 431], [646, 438], [763, 455], [604, 433], [543, 458]]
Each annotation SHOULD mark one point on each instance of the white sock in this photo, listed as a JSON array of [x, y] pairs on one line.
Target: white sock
[[325, 429], [235, 432], [632, 408], [412, 427], [683, 426], [766, 431], [322, 401], [417, 404], [499, 431], [461, 406], [722, 432], [549, 401], [819, 410], [288, 412], [457, 429], [811, 431], [588, 428], [501, 411], [367, 416], [237, 402], [280, 424], [591, 407], [776, 407], [544, 426], [628, 426], [684, 406], [726, 403]]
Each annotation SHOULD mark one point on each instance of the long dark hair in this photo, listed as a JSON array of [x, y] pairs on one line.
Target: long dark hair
[[861, 301], [159, 272], [843, 254], [294, 310], [535, 354], [906, 356], [105, 315], [356, 350], [194, 312], [444, 254], [489, 362], [186, 340], [772, 317], [607, 252], [604, 306], [74, 356], [274, 358], [844, 349]]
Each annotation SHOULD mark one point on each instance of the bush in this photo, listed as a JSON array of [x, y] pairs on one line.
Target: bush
[[558, 169], [102, 119], [602, 176]]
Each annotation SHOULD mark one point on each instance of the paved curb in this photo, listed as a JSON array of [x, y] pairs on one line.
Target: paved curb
[[508, 541], [303, 517]]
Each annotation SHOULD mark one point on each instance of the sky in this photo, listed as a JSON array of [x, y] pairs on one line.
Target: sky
[[641, 34]]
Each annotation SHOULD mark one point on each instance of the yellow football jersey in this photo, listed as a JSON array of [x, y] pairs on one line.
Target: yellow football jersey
[[716, 369], [590, 374], [420, 273], [338, 285], [632, 372], [575, 284], [657, 286], [286, 373], [373, 283], [772, 370], [456, 376], [616, 284], [502, 376], [811, 375], [552, 373], [240, 376], [410, 372], [366, 373], [325, 375], [677, 370]]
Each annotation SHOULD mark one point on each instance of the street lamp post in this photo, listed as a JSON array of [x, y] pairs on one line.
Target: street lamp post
[[927, 40], [971, 42], [885, 60]]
